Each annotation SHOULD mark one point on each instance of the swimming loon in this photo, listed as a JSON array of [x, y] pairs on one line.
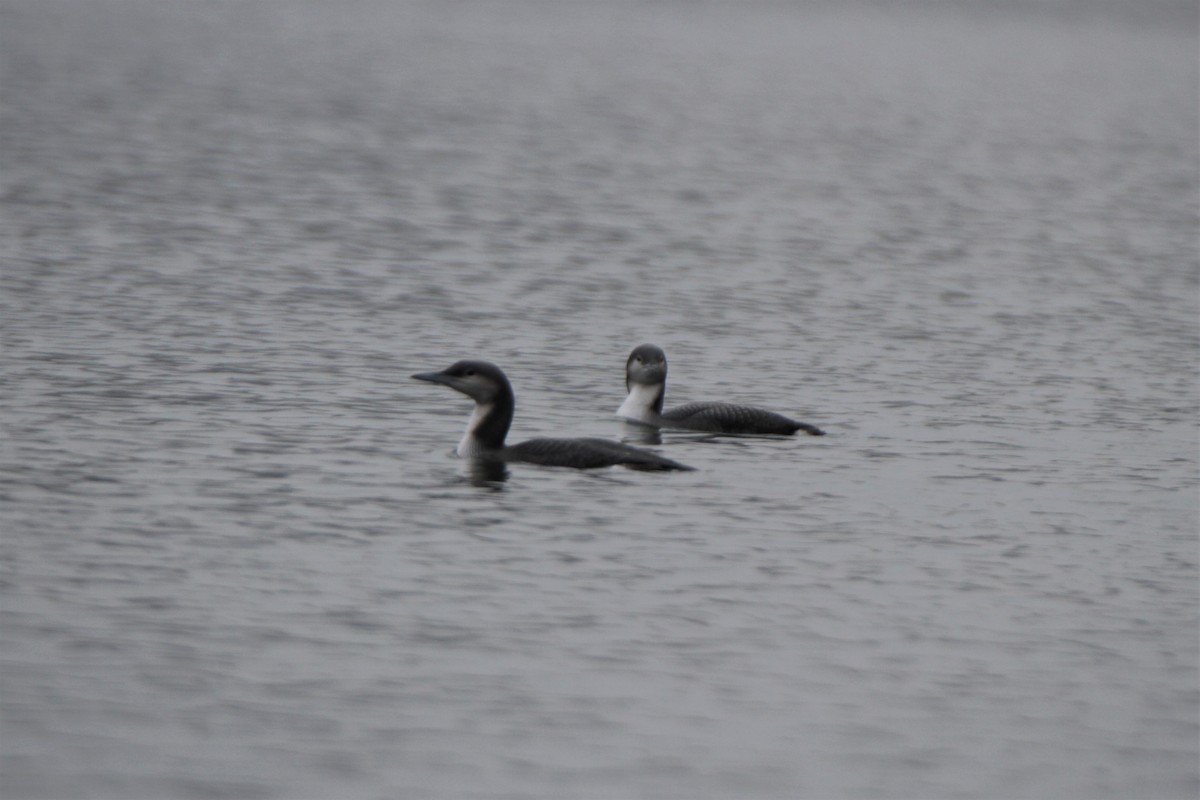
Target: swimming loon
[[646, 382], [488, 386]]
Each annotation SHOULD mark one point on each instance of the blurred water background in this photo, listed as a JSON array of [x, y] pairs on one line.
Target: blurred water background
[[239, 560]]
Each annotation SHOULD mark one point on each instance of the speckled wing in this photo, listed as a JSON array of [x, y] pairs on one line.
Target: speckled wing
[[732, 418], [587, 454]]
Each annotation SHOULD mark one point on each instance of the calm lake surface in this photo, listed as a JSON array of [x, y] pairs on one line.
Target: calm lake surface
[[239, 559]]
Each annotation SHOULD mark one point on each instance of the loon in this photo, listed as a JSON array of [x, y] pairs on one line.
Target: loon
[[488, 386], [646, 382]]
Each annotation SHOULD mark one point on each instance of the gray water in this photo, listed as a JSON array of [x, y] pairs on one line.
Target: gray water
[[241, 561]]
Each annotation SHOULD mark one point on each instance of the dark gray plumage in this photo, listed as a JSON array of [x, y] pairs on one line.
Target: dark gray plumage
[[587, 453], [488, 386], [646, 381]]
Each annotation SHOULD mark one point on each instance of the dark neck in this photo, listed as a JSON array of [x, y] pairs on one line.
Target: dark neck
[[492, 429], [659, 396]]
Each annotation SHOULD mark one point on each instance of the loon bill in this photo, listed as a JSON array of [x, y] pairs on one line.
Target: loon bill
[[488, 386], [646, 382]]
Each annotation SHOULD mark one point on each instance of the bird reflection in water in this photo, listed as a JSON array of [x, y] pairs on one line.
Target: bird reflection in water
[[487, 473], [639, 433]]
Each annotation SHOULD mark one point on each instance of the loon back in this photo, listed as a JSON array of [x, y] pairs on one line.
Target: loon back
[[646, 381], [488, 386], [732, 418], [588, 454]]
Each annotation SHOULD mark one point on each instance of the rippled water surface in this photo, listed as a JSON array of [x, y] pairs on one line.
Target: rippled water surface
[[239, 559]]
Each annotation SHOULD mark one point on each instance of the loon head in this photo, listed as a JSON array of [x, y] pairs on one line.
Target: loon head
[[488, 386], [481, 381], [646, 366], [646, 382]]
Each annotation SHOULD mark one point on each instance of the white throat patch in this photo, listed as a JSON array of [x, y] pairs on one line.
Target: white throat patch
[[639, 405], [470, 444]]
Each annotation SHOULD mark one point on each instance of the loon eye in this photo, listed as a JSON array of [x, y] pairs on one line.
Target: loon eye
[[638, 359], [469, 373]]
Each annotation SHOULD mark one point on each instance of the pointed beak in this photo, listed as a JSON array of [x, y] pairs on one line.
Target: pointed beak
[[432, 377]]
